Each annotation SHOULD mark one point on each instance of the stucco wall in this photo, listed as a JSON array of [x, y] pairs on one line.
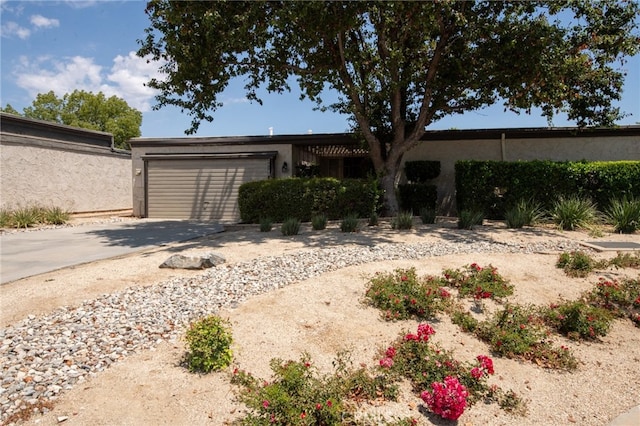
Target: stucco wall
[[503, 147], [54, 173], [181, 146]]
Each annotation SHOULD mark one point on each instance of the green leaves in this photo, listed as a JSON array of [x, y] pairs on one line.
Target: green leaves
[[397, 66]]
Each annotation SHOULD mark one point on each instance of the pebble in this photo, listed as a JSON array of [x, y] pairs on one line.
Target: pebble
[[42, 357]]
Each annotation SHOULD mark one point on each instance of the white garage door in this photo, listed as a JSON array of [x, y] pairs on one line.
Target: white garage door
[[200, 188]]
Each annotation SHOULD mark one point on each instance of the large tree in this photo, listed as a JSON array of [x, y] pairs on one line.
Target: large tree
[[398, 66], [88, 111]]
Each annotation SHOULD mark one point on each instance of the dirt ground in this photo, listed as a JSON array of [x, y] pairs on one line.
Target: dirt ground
[[325, 315]]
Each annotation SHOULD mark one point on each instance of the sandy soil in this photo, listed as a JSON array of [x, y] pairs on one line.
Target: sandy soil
[[325, 315]]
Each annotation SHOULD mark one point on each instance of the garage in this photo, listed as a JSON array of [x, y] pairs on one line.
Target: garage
[[201, 186]]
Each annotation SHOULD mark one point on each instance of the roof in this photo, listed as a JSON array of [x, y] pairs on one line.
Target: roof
[[344, 139], [29, 127]]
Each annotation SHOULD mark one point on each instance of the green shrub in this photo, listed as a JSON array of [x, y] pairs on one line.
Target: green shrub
[[350, 223], [303, 198], [266, 224], [414, 357], [464, 320], [519, 332], [319, 222], [25, 217], [415, 196], [573, 213], [402, 295], [55, 216], [208, 345], [427, 215], [620, 298], [298, 395], [577, 263], [6, 219], [467, 219], [524, 213], [290, 227], [624, 214], [625, 260], [492, 186], [578, 320], [479, 282], [403, 221], [421, 171]]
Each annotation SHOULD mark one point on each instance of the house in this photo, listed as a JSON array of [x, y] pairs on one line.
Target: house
[[199, 177], [54, 165]]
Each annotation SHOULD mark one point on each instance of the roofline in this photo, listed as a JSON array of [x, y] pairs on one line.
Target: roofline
[[349, 138], [63, 127]]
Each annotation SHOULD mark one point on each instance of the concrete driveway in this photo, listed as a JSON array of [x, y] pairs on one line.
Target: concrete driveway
[[23, 254]]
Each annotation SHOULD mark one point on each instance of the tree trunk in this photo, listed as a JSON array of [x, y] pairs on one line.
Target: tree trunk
[[388, 183]]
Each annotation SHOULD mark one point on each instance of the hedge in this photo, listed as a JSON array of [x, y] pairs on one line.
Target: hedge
[[493, 186], [421, 171], [301, 198], [417, 196]]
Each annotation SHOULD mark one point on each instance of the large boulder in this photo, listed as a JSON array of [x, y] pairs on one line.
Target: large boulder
[[193, 261]]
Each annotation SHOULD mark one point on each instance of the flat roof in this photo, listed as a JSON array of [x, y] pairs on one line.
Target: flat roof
[[350, 138]]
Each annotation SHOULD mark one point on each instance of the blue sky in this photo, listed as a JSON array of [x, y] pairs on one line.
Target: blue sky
[[91, 45]]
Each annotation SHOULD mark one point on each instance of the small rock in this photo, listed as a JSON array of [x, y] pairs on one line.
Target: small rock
[[62, 419]]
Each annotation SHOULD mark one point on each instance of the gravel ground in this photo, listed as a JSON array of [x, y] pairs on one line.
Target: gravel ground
[[79, 352]]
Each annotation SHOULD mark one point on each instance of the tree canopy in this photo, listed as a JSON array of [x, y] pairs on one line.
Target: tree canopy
[[88, 111], [398, 66]]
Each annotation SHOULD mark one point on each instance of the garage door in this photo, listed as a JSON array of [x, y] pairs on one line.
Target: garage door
[[200, 188]]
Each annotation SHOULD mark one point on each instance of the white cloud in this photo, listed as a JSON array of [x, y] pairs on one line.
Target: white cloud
[[126, 79], [40, 21], [130, 73], [11, 29]]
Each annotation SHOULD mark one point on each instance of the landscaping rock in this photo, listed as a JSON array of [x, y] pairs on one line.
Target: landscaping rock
[[201, 261]]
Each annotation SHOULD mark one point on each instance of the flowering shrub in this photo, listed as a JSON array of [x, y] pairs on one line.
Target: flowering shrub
[[448, 398], [414, 357], [479, 282], [402, 295], [576, 263], [519, 332], [298, 396], [578, 320], [622, 299]]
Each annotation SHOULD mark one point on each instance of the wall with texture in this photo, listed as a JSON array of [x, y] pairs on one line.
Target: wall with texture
[[53, 172]]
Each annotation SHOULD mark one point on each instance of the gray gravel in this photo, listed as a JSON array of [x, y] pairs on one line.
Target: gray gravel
[[41, 357]]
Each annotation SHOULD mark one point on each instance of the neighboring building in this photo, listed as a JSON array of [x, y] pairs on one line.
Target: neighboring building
[[54, 165], [199, 177]]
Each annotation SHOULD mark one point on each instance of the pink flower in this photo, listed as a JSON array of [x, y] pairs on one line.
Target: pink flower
[[448, 399], [476, 267], [303, 415], [411, 336], [486, 363], [318, 406], [476, 373], [391, 352], [386, 363], [424, 331], [265, 403], [404, 278], [444, 293], [329, 403]]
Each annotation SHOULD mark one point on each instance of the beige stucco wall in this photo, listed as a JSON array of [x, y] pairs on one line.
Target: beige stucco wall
[[507, 149], [140, 147], [35, 171]]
